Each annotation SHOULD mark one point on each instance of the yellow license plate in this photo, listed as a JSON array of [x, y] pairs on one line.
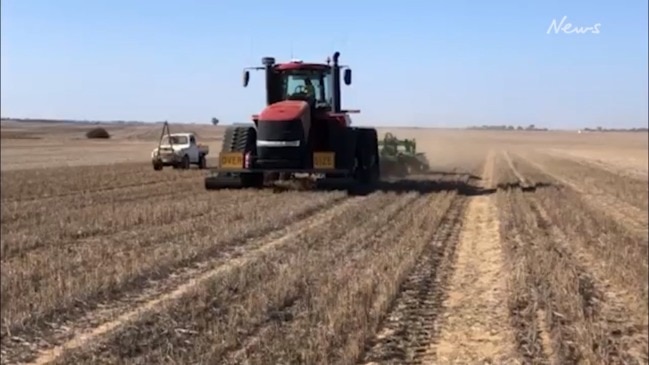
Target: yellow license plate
[[231, 160], [324, 160]]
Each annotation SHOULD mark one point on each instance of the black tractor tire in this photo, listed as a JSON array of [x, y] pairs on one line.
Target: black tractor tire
[[368, 156], [239, 139], [157, 166], [202, 162], [368, 171], [243, 139]]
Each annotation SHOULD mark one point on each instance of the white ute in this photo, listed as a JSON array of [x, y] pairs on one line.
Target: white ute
[[179, 150]]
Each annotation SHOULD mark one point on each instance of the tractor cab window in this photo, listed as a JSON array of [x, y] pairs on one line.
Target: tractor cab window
[[313, 85]]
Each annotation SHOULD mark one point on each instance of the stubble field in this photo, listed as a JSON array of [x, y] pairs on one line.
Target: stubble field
[[519, 248]]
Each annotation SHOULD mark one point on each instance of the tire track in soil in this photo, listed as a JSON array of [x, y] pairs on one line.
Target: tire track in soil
[[510, 163], [625, 214], [359, 233], [411, 323], [475, 326], [182, 285]]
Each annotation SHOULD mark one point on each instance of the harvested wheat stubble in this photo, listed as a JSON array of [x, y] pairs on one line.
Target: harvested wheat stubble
[[238, 298], [620, 252], [344, 306], [629, 190], [606, 249], [617, 320], [40, 209], [626, 214], [565, 291], [617, 257], [50, 182], [50, 282], [103, 321], [530, 329], [619, 165], [70, 225]]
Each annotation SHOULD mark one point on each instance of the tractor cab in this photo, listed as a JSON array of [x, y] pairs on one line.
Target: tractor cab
[[311, 83], [318, 84]]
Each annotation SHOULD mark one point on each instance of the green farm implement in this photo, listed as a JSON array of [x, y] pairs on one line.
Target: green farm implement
[[399, 157]]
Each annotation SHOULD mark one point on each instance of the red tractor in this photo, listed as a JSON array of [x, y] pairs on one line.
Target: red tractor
[[301, 131]]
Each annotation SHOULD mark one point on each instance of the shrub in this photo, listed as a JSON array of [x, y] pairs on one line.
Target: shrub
[[98, 133]]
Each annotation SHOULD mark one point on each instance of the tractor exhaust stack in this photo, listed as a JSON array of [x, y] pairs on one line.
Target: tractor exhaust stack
[[335, 79]]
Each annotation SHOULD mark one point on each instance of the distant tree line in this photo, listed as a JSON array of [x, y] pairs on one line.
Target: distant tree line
[[600, 129], [530, 127]]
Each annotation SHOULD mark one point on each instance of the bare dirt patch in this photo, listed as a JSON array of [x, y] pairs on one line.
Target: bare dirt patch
[[475, 325]]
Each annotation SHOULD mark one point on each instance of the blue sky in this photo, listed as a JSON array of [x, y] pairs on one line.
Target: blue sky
[[426, 63]]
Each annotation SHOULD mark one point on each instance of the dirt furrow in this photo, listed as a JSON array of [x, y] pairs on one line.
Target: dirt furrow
[[411, 324], [232, 288], [475, 326], [522, 180]]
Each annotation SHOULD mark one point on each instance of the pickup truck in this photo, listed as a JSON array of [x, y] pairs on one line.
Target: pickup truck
[[179, 150]]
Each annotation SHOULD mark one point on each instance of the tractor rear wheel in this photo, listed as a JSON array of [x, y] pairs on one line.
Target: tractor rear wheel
[[368, 171], [244, 140]]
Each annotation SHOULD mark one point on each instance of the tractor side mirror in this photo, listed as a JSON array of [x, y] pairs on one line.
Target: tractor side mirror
[[246, 78], [347, 76]]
